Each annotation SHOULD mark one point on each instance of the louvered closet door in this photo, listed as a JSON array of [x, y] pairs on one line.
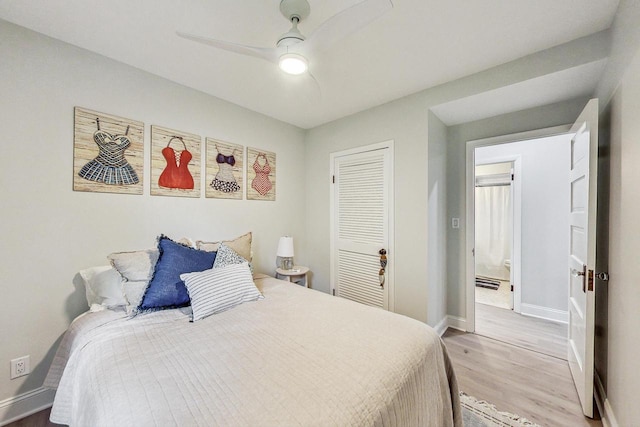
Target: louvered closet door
[[361, 226]]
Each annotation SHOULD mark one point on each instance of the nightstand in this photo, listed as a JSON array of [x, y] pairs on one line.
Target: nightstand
[[297, 275]]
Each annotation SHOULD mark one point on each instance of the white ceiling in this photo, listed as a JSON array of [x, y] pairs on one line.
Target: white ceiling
[[417, 45]]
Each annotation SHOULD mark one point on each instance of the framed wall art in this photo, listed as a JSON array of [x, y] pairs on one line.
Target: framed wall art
[[224, 170], [261, 175], [175, 163], [108, 153]]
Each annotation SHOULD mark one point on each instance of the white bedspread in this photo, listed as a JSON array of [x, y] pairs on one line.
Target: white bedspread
[[298, 357]]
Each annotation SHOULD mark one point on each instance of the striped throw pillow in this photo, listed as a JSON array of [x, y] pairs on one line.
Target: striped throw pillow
[[219, 289]]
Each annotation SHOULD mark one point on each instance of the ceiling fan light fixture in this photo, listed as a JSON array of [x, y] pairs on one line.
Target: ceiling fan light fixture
[[293, 63]]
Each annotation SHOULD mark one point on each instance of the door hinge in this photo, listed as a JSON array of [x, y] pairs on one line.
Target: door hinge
[[512, 177], [333, 179], [334, 292], [511, 288]]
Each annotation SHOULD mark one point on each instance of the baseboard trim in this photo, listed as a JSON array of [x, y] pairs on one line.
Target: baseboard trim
[[604, 407], [552, 314], [25, 404], [457, 322], [442, 325]]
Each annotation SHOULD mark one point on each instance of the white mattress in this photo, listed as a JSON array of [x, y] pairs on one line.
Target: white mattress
[[297, 357]]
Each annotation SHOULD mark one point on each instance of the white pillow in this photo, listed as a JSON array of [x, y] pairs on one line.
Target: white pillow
[[103, 286], [219, 289], [133, 292], [136, 269], [136, 265]]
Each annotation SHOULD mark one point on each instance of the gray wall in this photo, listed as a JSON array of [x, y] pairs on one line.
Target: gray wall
[[404, 122], [437, 222], [407, 121], [618, 334], [50, 232]]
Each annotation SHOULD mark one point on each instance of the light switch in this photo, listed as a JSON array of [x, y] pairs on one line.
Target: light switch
[[455, 222]]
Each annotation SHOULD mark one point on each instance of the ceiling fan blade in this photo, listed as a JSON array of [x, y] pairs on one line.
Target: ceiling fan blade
[[316, 85], [268, 54], [346, 23]]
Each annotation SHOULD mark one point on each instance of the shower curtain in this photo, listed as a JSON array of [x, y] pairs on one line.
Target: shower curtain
[[493, 231]]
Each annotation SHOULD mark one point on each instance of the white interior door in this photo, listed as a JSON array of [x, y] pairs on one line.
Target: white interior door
[[362, 225], [582, 252]]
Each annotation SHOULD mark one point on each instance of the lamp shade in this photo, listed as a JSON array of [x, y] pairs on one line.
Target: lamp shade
[[285, 247]]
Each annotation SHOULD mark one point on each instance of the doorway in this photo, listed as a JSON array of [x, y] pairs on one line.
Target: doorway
[[518, 234], [494, 234]]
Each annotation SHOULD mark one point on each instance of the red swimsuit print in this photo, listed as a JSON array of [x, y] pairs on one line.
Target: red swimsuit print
[[261, 182], [176, 174]]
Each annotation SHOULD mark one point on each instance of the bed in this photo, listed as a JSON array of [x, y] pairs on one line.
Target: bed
[[296, 357]]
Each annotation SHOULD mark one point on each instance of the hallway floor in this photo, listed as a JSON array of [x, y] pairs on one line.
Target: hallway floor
[[514, 379], [532, 333]]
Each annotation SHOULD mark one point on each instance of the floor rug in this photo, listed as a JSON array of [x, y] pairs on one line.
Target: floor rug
[[488, 283], [478, 413]]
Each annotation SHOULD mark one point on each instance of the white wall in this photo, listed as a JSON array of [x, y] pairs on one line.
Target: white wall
[[545, 219], [50, 232], [437, 222]]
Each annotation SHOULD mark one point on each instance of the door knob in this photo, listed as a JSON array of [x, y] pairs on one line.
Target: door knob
[[583, 273], [383, 266], [576, 273]]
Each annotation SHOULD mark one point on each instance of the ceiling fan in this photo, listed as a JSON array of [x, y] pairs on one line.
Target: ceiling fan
[[293, 48]]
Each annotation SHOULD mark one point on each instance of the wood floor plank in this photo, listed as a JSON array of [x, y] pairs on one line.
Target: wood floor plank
[[536, 334], [531, 384]]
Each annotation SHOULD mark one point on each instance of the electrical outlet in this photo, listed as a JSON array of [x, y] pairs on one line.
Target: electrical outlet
[[20, 367], [455, 222]]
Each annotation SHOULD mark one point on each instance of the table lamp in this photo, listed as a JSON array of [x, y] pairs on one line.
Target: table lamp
[[285, 252]]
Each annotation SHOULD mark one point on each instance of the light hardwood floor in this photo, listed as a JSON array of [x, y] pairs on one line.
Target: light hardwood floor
[[517, 380], [535, 334]]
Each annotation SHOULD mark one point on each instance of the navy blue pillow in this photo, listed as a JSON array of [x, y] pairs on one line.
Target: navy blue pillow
[[166, 290]]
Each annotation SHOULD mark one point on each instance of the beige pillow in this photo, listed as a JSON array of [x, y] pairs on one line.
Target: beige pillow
[[187, 242], [242, 245]]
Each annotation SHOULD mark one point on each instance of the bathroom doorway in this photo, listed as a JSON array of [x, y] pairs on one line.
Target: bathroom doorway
[[494, 234]]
